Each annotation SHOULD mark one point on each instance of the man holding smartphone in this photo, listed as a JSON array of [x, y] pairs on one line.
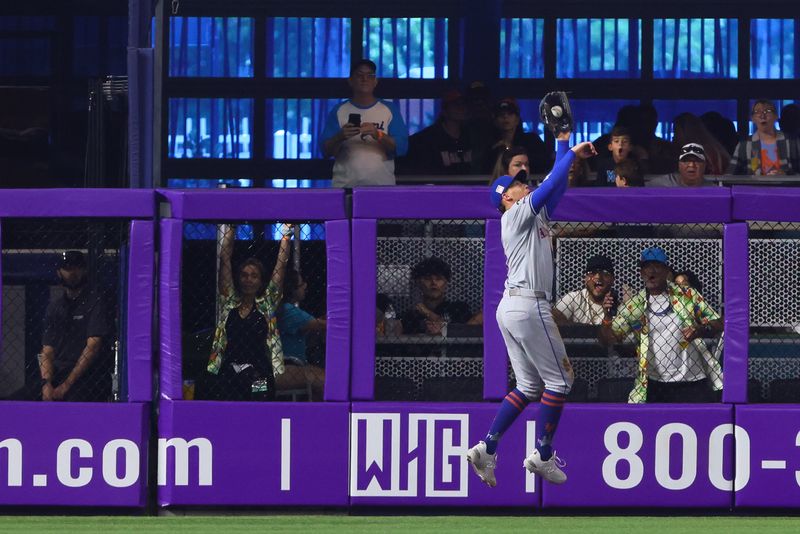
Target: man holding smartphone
[[364, 134]]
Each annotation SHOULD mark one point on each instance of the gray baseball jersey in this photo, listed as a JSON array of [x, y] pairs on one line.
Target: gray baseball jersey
[[527, 246]]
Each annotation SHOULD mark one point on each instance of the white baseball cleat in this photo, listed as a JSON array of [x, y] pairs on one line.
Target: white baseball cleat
[[549, 470], [483, 463]]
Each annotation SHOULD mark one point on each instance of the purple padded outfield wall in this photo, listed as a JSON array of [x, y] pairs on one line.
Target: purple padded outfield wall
[[765, 203], [73, 454], [169, 310], [138, 335], [735, 284], [337, 335]]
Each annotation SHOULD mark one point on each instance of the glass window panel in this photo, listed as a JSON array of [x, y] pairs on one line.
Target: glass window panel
[[24, 56], [210, 127], [521, 53], [308, 47], [92, 56], [669, 109], [695, 48], [599, 48], [772, 48], [8, 23], [418, 113], [407, 47], [211, 47], [594, 117]]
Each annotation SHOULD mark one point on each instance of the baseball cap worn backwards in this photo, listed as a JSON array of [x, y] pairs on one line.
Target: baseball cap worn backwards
[[656, 254], [692, 149], [599, 263]]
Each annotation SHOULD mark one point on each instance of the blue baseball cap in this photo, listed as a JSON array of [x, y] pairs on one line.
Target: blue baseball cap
[[653, 254], [499, 187]]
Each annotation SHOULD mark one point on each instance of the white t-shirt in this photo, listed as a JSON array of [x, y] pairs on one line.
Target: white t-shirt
[[364, 161], [578, 307], [669, 357]]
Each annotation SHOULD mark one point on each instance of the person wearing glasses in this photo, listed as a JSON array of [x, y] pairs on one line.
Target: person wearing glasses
[[669, 323], [364, 134], [767, 152], [691, 169]]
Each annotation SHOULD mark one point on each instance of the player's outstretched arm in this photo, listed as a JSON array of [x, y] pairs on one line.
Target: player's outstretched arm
[[552, 189]]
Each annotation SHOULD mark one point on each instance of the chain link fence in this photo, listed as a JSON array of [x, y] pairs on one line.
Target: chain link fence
[[629, 344], [429, 302], [64, 284], [774, 355], [253, 311]]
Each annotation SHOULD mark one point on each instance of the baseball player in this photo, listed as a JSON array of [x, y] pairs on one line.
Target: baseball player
[[524, 315]]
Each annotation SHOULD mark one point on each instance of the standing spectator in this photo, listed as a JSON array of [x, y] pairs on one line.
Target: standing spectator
[[790, 121], [688, 128], [73, 362], [364, 134], [669, 322], [431, 315], [628, 174], [508, 133], [722, 129], [595, 301], [768, 152], [691, 169], [619, 146], [445, 146], [659, 155]]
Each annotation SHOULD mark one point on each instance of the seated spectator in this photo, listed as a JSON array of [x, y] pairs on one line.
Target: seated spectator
[[511, 162], [295, 326], [620, 147], [691, 169], [722, 129], [768, 152], [445, 146], [431, 316], [628, 174], [246, 350], [790, 121], [75, 363], [687, 128], [580, 174], [669, 323], [658, 155], [508, 133], [627, 117], [595, 301]]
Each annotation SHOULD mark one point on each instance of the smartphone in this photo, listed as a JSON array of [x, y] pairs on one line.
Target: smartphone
[[354, 119]]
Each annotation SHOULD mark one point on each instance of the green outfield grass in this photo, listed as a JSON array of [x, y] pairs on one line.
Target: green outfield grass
[[317, 524]]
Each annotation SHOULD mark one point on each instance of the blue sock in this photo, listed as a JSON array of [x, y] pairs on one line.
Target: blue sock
[[513, 405], [549, 413]]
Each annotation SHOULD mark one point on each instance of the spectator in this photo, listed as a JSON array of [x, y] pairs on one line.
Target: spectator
[[687, 128], [628, 174], [619, 147], [364, 134], [445, 146], [74, 362], [508, 133], [295, 325], [790, 121], [246, 350], [688, 279], [432, 276], [659, 155], [627, 117], [768, 152], [579, 173], [722, 129], [511, 162], [595, 301], [668, 322], [691, 169]]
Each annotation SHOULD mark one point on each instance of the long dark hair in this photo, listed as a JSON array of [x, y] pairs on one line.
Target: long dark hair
[[504, 160], [255, 262]]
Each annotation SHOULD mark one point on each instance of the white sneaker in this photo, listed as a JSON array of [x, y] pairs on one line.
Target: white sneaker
[[483, 463], [549, 470]]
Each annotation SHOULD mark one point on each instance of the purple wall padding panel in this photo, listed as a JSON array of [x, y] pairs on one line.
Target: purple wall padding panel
[[276, 204], [495, 359], [169, 309], [77, 203], [767, 467], [364, 269], [752, 203], [1, 290], [638, 204], [646, 455], [736, 290], [423, 202], [139, 342], [73, 454], [413, 454], [337, 336], [252, 453]]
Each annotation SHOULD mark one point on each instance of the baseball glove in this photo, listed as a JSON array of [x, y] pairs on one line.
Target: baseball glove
[[555, 112]]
